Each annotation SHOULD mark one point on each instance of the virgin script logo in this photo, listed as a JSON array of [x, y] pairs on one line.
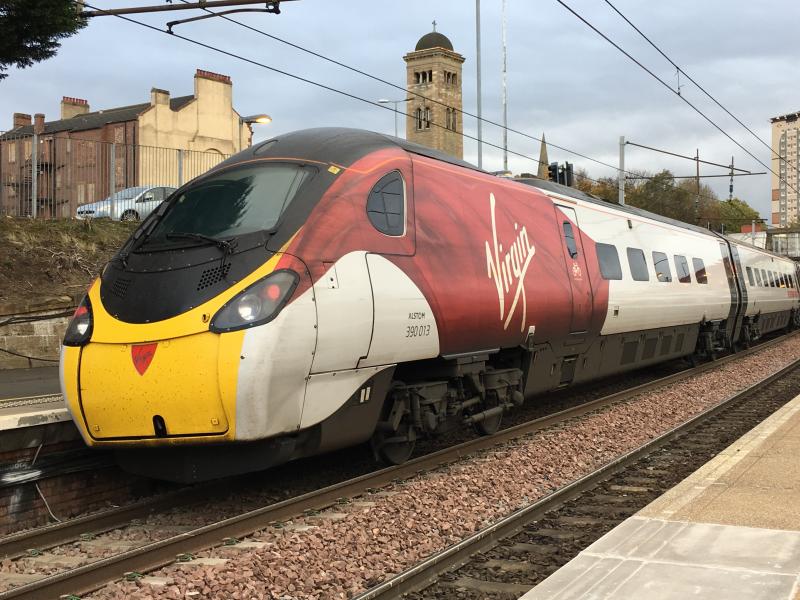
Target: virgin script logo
[[507, 270]]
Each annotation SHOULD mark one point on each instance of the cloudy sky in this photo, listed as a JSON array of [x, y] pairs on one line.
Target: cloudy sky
[[563, 79]]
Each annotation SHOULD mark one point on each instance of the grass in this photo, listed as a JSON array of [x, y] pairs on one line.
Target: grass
[[42, 259]]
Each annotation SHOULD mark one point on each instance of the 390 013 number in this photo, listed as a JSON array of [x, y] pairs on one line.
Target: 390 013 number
[[417, 330]]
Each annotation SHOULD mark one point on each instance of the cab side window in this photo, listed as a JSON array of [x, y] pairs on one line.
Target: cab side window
[[386, 205]]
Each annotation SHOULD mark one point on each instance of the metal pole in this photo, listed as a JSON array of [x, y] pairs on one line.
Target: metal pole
[[395, 116], [697, 199], [478, 67], [34, 174], [505, 93], [180, 168], [112, 177], [753, 232], [621, 174], [730, 187]]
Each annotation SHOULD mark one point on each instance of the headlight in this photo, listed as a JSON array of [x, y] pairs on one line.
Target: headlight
[[79, 329], [257, 304]]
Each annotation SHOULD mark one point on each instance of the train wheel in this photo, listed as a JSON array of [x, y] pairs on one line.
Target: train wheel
[[396, 447], [491, 424]]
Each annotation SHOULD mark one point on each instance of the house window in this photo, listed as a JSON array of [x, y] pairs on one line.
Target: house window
[[27, 149], [386, 205], [12, 152]]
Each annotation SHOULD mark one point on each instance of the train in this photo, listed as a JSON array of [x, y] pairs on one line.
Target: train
[[337, 287]]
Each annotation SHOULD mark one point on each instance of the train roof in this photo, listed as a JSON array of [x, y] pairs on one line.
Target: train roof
[[344, 146], [550, 186], [338, 145]]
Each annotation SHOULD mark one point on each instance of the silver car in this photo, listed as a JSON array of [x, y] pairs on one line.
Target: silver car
[[130, 204]]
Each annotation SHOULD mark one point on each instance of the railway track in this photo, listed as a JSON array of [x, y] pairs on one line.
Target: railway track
[[511, 556], [152, 555]]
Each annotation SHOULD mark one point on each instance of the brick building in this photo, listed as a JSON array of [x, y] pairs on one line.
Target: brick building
[[86, 155], [433, 70]]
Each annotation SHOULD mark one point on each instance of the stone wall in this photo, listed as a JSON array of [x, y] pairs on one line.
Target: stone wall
[[35, 332]]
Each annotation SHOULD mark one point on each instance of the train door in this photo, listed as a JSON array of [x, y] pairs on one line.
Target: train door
[[577, 272]]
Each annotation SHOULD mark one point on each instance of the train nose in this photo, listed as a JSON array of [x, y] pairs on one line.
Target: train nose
[[178, 388]]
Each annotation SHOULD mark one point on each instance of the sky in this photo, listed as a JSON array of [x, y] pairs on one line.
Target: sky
[[563, 79]]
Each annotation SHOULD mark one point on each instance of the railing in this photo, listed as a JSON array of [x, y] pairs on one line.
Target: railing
[[84, 178]]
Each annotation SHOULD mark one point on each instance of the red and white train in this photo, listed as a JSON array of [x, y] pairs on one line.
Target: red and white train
[[334, 286]]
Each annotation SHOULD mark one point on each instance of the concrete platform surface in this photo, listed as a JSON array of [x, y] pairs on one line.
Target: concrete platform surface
[[20, 383], [730, 530]]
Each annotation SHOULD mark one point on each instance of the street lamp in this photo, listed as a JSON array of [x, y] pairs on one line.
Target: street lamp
[[261, 119], [395, 102]]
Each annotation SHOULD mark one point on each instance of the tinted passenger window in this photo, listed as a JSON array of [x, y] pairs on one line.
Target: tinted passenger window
[[682, 269], [661, 263], [638, 265], [569, 238], [783, 280], [765, 278], [386, 205], [608, 259], [758, 276], [699, 270], [771, 278], [750, 276]]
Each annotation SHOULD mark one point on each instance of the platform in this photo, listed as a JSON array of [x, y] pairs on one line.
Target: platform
[[21, 383], [730, 530]]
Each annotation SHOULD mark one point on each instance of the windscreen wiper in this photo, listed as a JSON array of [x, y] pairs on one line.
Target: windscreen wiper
[[227, 246]]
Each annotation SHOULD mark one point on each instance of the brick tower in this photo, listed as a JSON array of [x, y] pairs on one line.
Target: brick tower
[[433, 70]]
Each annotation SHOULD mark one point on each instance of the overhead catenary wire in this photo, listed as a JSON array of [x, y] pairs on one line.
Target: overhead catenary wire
[[671, 89], [318, 84], [349, 94], [412, 93], [697, 85]]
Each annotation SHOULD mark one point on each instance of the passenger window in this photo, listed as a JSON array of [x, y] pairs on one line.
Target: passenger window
[[699, 270], [608, 259], [638, 265], [791, 281], [758, 277], [569, 237], [771, 278], [750, 276], [661, 263], [783, 280], [682, 269], [765, 278], [386, 205]]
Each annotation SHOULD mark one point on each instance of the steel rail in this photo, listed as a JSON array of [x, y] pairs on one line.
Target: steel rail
[[91, 576], [426, 572]]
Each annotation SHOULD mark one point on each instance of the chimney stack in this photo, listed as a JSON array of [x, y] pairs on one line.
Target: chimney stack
[[38, 123], [158, 96], [21, 120], [72, 107]]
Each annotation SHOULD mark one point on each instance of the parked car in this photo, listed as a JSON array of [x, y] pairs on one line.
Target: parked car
[[130, 204]]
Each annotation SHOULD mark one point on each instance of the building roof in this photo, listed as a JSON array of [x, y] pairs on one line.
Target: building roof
[[434, 39], [790, 117], [96, 119]]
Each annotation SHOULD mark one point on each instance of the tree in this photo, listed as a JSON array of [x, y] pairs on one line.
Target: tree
[[735, 213], [32, 30]]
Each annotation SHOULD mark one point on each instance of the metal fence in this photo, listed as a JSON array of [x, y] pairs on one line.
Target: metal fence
[[47, 176]]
